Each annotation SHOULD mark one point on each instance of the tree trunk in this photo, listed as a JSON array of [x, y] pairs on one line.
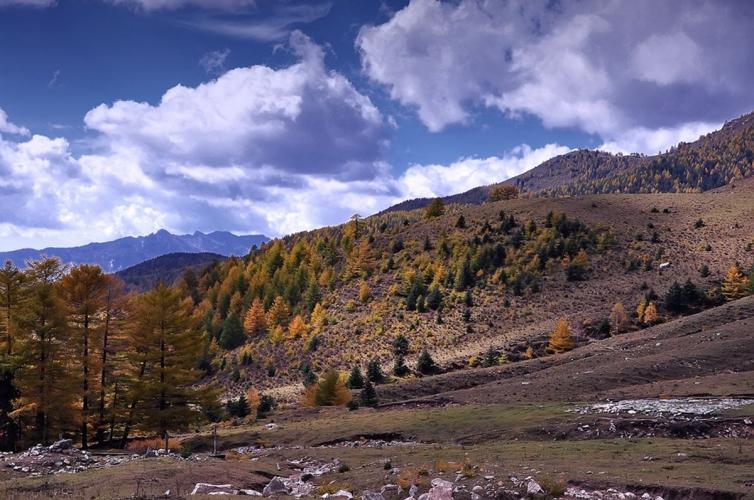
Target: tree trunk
[[131, 410], [103, 373], [85, 387]]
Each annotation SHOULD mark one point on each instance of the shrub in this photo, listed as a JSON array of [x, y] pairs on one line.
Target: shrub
[[368, 396], [329, 391], [374, 372], [355, 379], [435, 208], [267, 405], [399, 367], [425, 364], [561, 339], [364, 292], [400, 345]]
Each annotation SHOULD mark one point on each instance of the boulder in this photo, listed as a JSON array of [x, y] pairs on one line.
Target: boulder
[[63, 444], [533, 488], [390, 489], [213, 489], [275, 487], [342, 493], [441, 490], [371, 495], [249, 493]]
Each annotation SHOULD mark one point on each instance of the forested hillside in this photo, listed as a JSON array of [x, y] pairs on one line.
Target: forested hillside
[[165, 269], [458, 281], [710, 162]]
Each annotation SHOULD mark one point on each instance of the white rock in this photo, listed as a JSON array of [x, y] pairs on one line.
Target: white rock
[[533, 488], [213, 489], [249, 493]]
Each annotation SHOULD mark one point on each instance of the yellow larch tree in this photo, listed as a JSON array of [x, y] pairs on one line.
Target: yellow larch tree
[[561, 339]]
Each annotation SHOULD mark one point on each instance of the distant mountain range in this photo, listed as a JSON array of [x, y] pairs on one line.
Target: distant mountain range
[[710, 162], [165, 269], [113, 256]]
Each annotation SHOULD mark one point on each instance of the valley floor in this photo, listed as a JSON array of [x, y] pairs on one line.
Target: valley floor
[[683, 429]]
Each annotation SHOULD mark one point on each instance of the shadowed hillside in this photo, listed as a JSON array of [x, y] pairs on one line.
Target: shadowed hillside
[[710, 162]]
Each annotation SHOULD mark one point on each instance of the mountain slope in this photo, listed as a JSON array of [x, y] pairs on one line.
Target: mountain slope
[[165, 269], [707, 163], [363, 276], [113, 256]]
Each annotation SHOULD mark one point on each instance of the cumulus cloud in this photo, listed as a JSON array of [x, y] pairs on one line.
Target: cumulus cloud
[[10, 128], [257, 149], [426, 181], [652, 141], [603, 67]]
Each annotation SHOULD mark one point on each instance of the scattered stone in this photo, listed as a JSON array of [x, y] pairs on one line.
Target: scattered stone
[[63, 444], [371, 495], [249, 493], [390, 489], [441, 490], [213, 489], [533, 488], [275, 487]]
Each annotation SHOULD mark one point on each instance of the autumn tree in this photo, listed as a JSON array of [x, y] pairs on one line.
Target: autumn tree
[[318, 318], [164, 344], [331, 390], [298, 327], [576, 268], [364, 292], [44, 380], [735, 285], [279, 313], [84, 292], [255, 320], [561, 338], [650, 314], [435, 208], [503, 192], [114, 312], [618, 318], [11, 297]]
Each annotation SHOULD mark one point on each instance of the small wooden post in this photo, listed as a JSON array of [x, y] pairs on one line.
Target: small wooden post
[[214, 439], [167, 450]]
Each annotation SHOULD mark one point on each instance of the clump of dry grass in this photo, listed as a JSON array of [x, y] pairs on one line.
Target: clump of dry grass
[[142, 445]]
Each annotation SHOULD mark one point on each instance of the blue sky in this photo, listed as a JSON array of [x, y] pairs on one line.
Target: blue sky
[[121, 117]]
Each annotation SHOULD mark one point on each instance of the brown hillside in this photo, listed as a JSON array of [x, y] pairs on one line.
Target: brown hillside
[[358, 332]]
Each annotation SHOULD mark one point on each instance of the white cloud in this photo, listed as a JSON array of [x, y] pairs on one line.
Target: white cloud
[[214, 62], [668, 58], [10, 128], [268, 28], [426, 181], [653, 141], [257, 149], [602, 67]]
